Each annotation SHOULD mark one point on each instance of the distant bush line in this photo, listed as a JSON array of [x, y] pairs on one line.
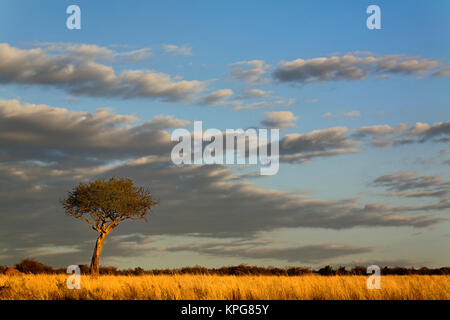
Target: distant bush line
[[32, 266]]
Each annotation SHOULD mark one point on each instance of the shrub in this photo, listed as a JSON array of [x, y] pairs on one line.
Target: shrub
[[326, 271], [33, 266]]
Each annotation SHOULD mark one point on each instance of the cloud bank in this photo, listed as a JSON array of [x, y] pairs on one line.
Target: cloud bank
[[80, 75], [350, 67]]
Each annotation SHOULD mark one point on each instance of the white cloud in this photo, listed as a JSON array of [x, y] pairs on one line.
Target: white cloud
[[354, 113], [280, 119], [255, 93], [350, 67], [218, 97], [384, 135], [96, 52], [239, 105], [85, 77], [252, 71], [183, 50]]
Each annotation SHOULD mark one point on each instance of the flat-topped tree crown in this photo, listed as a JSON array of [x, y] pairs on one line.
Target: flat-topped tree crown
[[104, 204]]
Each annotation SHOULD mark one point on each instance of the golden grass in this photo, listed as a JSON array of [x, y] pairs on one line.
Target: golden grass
[[199, 287]]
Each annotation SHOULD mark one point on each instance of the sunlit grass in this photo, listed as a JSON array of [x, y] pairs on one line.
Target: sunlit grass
[[171, 287]]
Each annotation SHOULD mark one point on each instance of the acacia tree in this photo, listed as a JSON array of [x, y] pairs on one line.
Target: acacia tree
[[104, 204]]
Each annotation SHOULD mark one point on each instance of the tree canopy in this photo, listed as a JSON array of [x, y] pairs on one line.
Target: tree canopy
[[104, 203]]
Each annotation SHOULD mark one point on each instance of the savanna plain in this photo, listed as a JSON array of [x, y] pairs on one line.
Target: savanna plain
[[227, 287]]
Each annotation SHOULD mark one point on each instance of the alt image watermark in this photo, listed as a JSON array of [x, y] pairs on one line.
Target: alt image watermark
[[74, 20], [374, 280], [232, 146], [73, 281], [373, 22]]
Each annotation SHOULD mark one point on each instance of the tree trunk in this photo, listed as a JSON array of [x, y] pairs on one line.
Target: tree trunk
[[96, 255]]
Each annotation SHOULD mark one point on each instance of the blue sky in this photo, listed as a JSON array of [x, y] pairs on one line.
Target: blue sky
[[217, 35]]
